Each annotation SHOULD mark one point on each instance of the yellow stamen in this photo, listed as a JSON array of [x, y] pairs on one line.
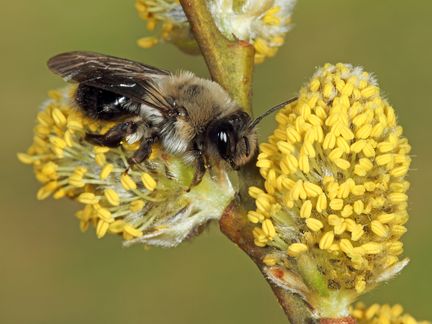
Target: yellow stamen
[[88, 198], [127, 182], [296, 249], [148, 181], [112, 197], [147, 42], [106, 171]]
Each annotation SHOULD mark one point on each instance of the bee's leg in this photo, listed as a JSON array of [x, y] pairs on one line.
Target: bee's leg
[[199, 171], [201, 163], [144, 150], [114, 136]]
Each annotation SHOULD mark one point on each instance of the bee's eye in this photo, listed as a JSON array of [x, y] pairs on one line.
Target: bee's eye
[[223, 144]]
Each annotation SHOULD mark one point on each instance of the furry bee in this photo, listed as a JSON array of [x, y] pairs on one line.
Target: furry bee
[[189, 116]]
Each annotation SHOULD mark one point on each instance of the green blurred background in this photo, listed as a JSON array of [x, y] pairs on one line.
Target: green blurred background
[[51, 273]]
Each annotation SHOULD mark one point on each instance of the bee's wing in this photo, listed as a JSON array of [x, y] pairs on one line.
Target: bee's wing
[[124, 77]]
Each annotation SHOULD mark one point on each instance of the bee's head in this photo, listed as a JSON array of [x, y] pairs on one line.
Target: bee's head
[[234, 136], [234, 139]]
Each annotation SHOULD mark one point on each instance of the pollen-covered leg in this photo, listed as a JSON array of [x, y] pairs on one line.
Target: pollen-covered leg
[[200, 169], [114, 136], [144, 150]]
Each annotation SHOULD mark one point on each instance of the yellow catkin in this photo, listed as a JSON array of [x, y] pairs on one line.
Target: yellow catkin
[[335, 162], [274, 22], [382, 314], [117, 198]]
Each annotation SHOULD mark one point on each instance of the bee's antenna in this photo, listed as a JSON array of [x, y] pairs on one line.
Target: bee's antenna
[[271, 110]]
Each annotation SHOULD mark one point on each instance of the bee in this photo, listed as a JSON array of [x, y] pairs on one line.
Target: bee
[[188, 116]]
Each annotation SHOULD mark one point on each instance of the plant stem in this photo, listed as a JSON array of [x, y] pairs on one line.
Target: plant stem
[[231, 65], [230, 62], [235, 226]]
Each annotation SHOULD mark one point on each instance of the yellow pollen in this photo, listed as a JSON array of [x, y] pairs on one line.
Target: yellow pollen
[[58, 117], [358, 207], [357, 232], [314, 224], [106, 171], [46, 190], [397, 197], [117, 226], [379, 229], [104, 214], [298, 191], [346, 247], [76, 180], [131, 232], [100, 159], [88, 198], [58, 142], [263, 163], [270, 260], [59, 194], [296, 249], [101, 228], [321, 203], [326, 240], [25, 158], [347, 211], [342, 164], [147, 42], [263, 204], [137, 205], [336, 204], [336, 164], [360, 284], [148, 181], [254, 192], [312, 190], [50, 169], [372, 248], [112, 197], [306, 209], [127, 182], [268, 228]]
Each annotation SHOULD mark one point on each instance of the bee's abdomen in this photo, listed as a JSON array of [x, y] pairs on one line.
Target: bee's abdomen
[[102, 104]]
